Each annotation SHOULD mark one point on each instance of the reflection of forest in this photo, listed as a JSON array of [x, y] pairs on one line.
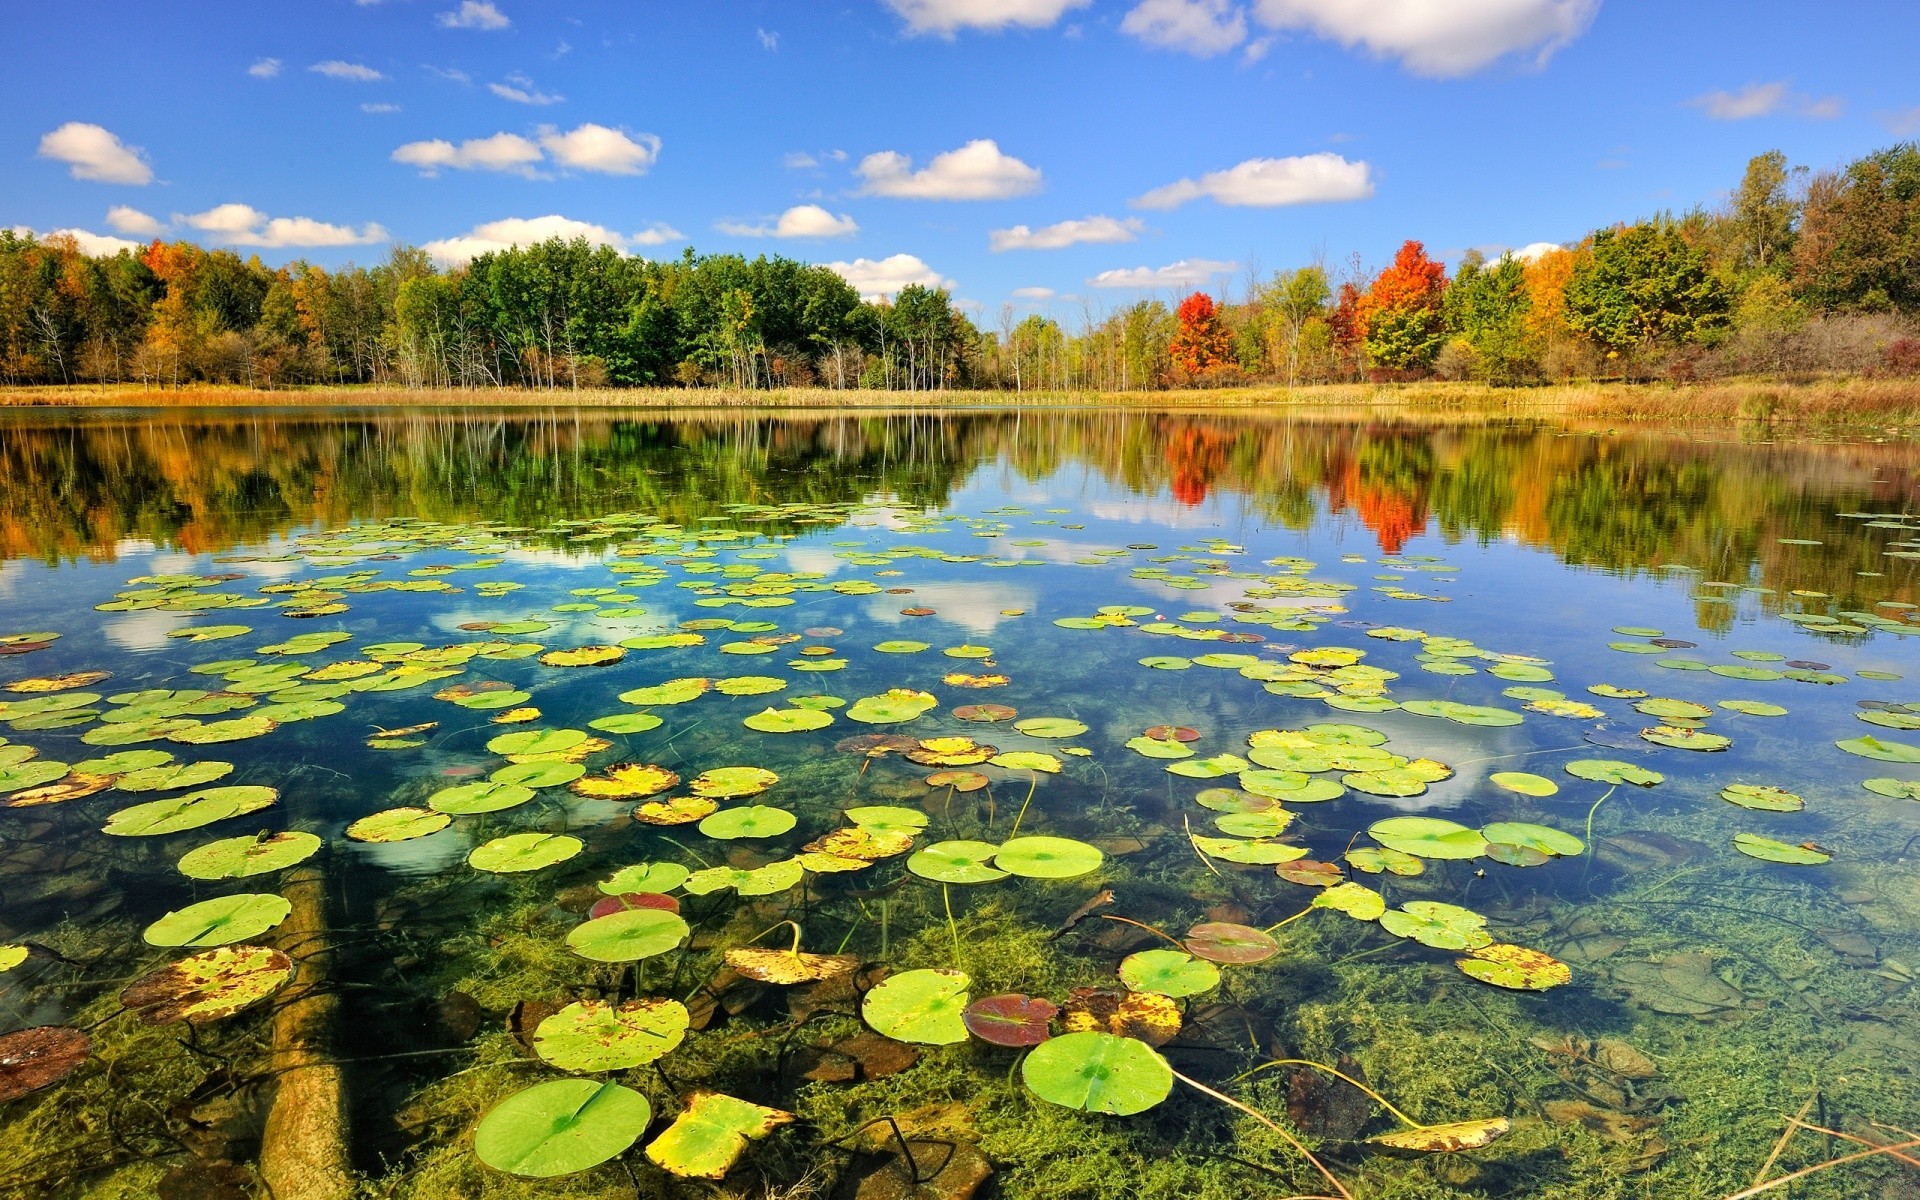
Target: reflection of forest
[[1629, 502]]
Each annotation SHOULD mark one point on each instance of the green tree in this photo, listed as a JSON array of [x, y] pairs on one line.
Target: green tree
[[1641, 286], [1486, 310]]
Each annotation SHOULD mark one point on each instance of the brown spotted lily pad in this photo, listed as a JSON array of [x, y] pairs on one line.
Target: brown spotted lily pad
[[208, 986], [31, 1059], [1445, 1139], [789, 966], [1146, 1016]]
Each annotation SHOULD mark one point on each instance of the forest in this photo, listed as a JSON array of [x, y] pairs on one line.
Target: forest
[[1797, 275]]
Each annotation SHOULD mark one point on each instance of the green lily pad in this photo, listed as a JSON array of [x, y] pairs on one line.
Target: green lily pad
[[1608, 770], [1356, 900], [750, 821], [1538, 838], [593, 1035], [1050, 727], [1755, 846], [1047, 858], [902, 646], [542, 774], [1376, 860], [1874, 748], [220, 921], [1429, 837], [891, 708], [561, 1127], [956, 862], [708, 1138], [628, 936], [1679, 738], [923, 1006], [239, 857], [1897, 789], [625, 723], [1464, 714], [537, 741], [1027, 760], [1753, 708], [180, 813], [1249, 853], [1442, 926], [238, 729], [1524, 783], [1097, 1072], [645, 877], [518, 852], [1170, 748], [732, 783], [208, 986], [888, 818], [788, 720], [398, 825], [1169, 972], [483, 797]]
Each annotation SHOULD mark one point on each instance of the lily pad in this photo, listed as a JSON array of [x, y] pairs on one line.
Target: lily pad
[[518, 852], [1169, 972], [472, 798], [963, 862], [220, 921], [594, 1035], [1607, 770], [1881, 751], [732, 783], [645, 877], [1515, 967], [398, 825], [1524, 783], [749, 821], [1226, 942], [240, 857], [1356, 900], [1047, 858], [180, 813], [1051, 727], [625, 781], [31, 1059], [1010, 1020], [1755, 846], [628, 936], [1098, 1072], [561, 1127], [1428, 837], [208, 986], [708, 1138], [1539, 838], [923, 1006], [1764, 799], [539, 774], [1433, 923], [788, 720]]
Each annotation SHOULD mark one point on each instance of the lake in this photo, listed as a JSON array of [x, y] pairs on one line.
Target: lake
[[1065, 804]]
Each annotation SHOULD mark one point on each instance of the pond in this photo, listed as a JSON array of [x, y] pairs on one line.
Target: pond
[[1066, 804]]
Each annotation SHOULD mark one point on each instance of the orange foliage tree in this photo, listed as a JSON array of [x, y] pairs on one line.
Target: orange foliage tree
[[1401, 312], [1201, 344]]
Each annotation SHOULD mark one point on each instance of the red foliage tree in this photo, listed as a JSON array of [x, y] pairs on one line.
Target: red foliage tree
[[1400, 313], [1201, 344]]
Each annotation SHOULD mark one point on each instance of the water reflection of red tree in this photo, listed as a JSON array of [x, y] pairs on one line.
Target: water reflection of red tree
[[1394, 509], [1195, 455]]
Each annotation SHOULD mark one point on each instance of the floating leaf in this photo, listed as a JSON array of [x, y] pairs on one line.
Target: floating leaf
[[180, 813], [209, 985], [788, 720], [240, 857], [1010, 1020], [1755, 846], [1524, 783], [1248, 853], [1874, 748], [539, 774], [1047, 858], [677, 810], [1358, 901], [1897, 789], [708, 1138], [1151, 747], [1428, 837], [1148, 1016], [485, 797], [518, 852], [1051, 727], [593, 1035], [214, 732], [1765, 799], [923, 1006], [645, 877], [956, 862], [1169, 972], [1515, 967], [788, 967], [625, 781], [625, 723], [750, 821], [1225, 942], [1539, 838], [887, 818], [1607, 770], [732, 783], [585, 656], [1097, 1072], [537, 741], [1376, 860], [1679, 738], [398, 825], [891, 707], [1433, 923], [628, 936], [219, 921], [560, 1127]]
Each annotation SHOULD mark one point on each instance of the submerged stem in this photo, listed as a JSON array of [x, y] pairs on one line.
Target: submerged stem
[[946, 898], [1403, 1118], [1264, 1120], [1031, 789]]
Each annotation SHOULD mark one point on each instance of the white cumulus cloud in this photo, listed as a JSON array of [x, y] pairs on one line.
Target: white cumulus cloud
[[1764, 100], [1065, 233], [1271, 182], [264, 68], [1444, 38], [944, 17], [598, 148], [91, 152], [334, 68], [91, 244], [244, 225], [520, 89], [1201, 27], [976, 171], [1188, 272], [131, 220], [527, 231], [877, 279], [800, 221], [473, 14], [1534, 251], [500, 152], [1034, 293]]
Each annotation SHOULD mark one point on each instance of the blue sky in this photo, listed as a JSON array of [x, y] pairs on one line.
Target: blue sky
[[1043, 152]]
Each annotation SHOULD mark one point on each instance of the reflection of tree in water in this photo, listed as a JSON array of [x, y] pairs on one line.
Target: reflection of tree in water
[[82, 487]]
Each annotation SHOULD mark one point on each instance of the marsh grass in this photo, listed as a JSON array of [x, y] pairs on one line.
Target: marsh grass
[[1819, 403]]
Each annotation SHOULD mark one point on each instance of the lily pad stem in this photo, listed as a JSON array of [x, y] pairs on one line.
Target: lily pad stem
[[1031, 789], [1150, 929], [946, 898], [1331, 1178], [769, 929], [1290, 920], [1399, 1116]]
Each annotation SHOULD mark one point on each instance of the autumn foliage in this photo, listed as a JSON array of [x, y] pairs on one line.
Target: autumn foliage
[[1201, 343], [1401, 312]]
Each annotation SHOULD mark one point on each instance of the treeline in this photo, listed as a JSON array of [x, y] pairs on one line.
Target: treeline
[[1796, 274]]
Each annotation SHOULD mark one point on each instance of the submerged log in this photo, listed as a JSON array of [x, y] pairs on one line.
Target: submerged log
[[303, 1153]]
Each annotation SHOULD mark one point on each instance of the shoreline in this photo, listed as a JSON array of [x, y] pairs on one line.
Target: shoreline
[[1880, 403]]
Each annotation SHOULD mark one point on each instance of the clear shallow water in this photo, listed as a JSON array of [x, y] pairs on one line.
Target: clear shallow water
[[1709, 992]]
